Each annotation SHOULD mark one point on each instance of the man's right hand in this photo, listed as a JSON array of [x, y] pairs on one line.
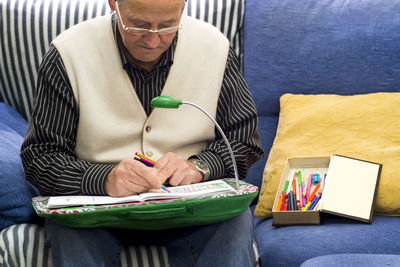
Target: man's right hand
[[131, 177]]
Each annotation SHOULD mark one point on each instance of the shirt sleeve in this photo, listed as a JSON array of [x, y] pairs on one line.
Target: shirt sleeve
[[237, 116], [48, 150]]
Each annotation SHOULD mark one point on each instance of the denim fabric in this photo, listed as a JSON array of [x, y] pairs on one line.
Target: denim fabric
[[228, 243], [353, 260], [317, 47], [15, 192], [292, 245]]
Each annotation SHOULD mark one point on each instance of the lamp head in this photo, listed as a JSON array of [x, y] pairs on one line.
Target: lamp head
[[165, 102]]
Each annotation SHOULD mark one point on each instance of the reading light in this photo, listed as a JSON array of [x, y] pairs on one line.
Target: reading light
[[170, 102]]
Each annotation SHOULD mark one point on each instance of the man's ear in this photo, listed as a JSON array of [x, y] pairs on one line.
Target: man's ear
[[111, 3]]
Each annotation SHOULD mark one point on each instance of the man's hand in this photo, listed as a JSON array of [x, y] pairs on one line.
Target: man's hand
[[131, 177], [178, 170]]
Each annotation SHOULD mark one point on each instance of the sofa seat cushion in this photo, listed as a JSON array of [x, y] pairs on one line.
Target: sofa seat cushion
[[292, 245], [351, 260], [15, 191], [23, 245]]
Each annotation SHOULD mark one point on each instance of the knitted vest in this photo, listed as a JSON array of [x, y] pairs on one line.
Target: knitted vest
[[112, 121]]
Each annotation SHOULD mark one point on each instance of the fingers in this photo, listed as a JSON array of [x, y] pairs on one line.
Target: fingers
[[178, 170], [131, 177]]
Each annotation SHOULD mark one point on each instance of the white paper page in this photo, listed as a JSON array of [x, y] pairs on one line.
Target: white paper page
[[190, 191], [350, 186], [70, 201], [184, 191]]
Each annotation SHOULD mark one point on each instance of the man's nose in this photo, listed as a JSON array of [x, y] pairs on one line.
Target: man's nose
[[152, 39]]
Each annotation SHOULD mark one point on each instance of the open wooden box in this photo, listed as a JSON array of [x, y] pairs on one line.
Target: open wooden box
[[348, 188]]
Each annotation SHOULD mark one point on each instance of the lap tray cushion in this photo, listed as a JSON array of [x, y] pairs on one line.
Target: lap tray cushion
[[153, 215], [15, 192]]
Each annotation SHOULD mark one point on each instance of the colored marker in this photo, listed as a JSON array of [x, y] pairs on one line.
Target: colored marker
[[300, 190], [295, 195], [323, 187], [306, 206], [164, 188], [144, 161], [286, 187], [150, 164], [143, 156], [284, 197], [290, 203], [309, 186], [279, 203], [313, 192], [314, 202]]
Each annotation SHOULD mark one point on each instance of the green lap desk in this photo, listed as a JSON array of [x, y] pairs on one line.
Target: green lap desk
[[153, 215]]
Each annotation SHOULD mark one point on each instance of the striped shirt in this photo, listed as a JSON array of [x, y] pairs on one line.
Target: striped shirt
[[48, 150]]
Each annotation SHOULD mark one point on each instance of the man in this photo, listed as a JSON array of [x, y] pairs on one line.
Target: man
[[92, 112]]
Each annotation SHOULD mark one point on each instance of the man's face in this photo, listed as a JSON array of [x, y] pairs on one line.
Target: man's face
[[145, 50]]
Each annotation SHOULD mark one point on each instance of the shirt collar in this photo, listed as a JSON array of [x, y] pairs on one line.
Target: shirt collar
[[166, 59]]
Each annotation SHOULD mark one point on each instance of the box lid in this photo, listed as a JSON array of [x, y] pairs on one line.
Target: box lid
[[350, 188]]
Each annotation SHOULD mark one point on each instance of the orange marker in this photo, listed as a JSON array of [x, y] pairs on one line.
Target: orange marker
[[313, 192], [279, 203]]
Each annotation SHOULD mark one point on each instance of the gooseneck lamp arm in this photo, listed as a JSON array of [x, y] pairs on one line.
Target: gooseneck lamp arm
[[170, 102]]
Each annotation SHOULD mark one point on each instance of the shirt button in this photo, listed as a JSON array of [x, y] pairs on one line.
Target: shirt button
[[149, 153], [148, 129]]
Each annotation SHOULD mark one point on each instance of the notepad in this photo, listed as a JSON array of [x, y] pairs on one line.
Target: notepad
[[192, 191]]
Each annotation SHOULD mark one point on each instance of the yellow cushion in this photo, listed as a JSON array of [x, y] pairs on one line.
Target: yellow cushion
[[360, 126]]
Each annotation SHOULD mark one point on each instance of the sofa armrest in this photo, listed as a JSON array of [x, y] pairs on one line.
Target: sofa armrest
[[15, 191]]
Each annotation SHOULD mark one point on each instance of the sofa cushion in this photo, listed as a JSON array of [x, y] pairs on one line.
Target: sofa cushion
[[28, 27], [317, 47], [15, 191], [360, 126], [292, 245], [370, 260]]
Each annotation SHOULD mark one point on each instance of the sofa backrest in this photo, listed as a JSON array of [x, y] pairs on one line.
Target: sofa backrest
[[28, 27], [317, 47]]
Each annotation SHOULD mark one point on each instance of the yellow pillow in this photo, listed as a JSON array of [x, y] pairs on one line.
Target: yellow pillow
[[360, 126]]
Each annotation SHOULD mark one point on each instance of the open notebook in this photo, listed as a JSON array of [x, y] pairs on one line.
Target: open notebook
[[192, 191]]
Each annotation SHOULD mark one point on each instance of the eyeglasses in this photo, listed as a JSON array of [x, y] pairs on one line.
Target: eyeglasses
[[142, 31]]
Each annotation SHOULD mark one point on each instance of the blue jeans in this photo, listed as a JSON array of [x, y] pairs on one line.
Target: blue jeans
[[227, 243]]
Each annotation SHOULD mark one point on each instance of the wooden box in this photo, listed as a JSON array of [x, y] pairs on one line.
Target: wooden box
[[347, 187]]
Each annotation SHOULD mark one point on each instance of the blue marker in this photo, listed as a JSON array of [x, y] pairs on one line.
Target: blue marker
[[164, 188]]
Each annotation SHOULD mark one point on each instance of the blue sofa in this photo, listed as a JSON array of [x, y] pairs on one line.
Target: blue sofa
[[320, 47], [287, 46]]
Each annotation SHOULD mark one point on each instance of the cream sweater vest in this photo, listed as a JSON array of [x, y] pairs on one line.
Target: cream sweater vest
[[112, 122]]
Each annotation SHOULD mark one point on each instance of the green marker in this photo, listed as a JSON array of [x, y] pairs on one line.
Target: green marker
[[286, 187], [300, 183]]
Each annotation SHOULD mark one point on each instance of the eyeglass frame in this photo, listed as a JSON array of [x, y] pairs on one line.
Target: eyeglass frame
[[143, 31]]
